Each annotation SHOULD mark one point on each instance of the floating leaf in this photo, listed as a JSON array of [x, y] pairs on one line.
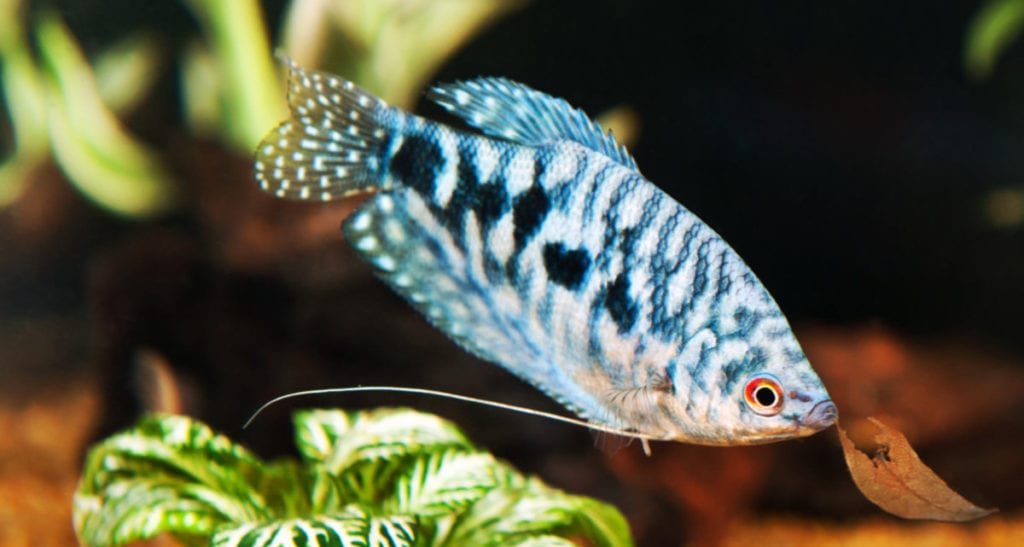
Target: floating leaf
[[896, 480]]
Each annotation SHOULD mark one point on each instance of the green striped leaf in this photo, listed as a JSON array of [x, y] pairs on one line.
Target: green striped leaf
[[132, 510], [354, 527], [601, 522], [510, 515], [446, 482], [166, 474], [338, 441]]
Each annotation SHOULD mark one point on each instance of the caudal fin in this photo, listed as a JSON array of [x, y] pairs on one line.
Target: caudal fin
[[333, 144]]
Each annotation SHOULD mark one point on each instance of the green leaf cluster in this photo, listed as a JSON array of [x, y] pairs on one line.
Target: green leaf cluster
[[383, 477]]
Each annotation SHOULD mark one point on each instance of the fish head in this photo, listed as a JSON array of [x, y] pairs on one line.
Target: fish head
[[769, 393], [760, 386], [739, 392], [747, 382], [774, 405]]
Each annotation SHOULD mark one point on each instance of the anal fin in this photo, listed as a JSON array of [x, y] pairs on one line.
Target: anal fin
[[414, 254]]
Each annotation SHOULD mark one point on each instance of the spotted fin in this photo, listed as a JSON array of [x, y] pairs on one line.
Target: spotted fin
[[512, 111], [330, 147]]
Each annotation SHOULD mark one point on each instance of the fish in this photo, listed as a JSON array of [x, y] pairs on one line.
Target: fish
[[532, 240]]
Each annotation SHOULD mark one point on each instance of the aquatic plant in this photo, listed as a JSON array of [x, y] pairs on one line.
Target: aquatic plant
[[62, 105], [67, 107], [380, 477], [230, 73], [389, 47], [996, 25]]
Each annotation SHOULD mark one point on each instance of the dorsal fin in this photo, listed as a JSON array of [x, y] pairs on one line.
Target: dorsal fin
[[512, 111]]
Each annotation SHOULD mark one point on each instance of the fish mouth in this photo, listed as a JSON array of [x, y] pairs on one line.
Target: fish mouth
[[821, 416]]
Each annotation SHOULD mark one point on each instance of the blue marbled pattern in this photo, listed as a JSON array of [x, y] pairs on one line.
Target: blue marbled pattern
[[538, 245]]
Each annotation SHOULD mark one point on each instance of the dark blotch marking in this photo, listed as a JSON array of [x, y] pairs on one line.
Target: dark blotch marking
[[567, 267], [416, 163], [528, 214], [529, 209], [619, 305], [629, 238], [488, 200], [466, 170]]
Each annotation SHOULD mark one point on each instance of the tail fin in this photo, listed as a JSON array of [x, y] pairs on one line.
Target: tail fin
[[332, 145]]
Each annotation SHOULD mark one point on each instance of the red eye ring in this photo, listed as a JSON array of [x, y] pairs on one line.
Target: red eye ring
[[764, 395]]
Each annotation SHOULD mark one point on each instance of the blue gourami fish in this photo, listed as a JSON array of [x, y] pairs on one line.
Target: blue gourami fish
[[536, 244]]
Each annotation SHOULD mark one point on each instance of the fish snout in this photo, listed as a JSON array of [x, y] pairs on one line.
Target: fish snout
[[823, 415]]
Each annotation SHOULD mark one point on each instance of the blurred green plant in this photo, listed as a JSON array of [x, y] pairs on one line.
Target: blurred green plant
[[995, 26], [381, 477], [23, 90], [236, 73], [390, 47], [99, 156], [61, 106]]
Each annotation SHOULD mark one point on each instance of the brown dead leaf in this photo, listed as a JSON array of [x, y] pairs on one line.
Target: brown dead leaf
[[896, 480]]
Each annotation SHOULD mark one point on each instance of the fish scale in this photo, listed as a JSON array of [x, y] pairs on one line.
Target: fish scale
[[536, 244]]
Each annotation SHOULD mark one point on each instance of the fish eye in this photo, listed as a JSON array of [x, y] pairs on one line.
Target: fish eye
[[764, 395]]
